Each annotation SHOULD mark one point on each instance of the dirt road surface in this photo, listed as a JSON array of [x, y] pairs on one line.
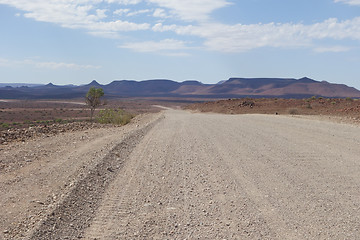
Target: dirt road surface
[[212, 176]]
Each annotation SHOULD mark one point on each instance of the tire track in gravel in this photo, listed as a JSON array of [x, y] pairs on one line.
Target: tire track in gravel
[[133, 193], [211, 176], [187, 193], [76, 211]]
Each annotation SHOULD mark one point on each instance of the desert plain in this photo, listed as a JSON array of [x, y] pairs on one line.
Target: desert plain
[[229, 169]]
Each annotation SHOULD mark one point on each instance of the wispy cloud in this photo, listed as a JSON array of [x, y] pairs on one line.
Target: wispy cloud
[[152, 46], [48, 65], [175, 54], [138, 12], [240, 37], [84, 14], [190, 10], [124, 2], [57, 65], [4, 62], [93, 17], [334, 49], [160, 13], [350, 2], [105, 34], [121, 11]]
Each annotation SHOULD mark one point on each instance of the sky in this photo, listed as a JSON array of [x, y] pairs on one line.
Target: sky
[[75, 42]]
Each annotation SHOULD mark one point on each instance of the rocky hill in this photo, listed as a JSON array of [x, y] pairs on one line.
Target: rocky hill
[[232, 88]]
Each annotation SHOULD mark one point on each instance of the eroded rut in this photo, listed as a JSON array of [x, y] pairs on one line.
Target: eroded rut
[[75, 213]]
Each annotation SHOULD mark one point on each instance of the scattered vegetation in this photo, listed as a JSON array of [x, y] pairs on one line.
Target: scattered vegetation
[[58, 120], [5, 125], [114, 116], [293, 111]]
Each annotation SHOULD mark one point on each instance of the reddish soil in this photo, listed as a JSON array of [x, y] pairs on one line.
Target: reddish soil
[[311, 106], [26, 113]]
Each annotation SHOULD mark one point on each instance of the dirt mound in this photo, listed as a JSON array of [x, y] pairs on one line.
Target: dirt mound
[[348, 107]]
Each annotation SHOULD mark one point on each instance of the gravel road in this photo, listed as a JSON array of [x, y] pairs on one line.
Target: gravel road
[[212, 176]]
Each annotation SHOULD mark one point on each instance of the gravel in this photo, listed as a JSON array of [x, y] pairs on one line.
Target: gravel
[[179, 175], [38, 174], [212, 176]]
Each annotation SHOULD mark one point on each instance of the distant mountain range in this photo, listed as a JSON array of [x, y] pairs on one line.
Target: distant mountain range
[[232, 88]]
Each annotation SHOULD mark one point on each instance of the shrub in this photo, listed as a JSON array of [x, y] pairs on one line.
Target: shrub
[[58, 120], [114, 116], [5, 125], [293, 111], [349, 99]]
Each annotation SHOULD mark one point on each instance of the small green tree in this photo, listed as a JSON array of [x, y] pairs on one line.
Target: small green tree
[[93, 99]]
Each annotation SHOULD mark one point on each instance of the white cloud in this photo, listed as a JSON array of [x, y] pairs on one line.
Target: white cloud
[[101, 13], [159, 27], [334, 49], [124, 2], [160, 13], [57, 65], [134, 13], [4, 62], [191, 10], [117, 26], [152, 46], [82, 14], [175, 54], [121, 11], [92, 16], [335, 29], [188, 10], [350, 2], [49, 65], [240, 37], [105, 34]]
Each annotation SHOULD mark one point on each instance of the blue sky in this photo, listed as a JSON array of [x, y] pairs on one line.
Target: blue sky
[[74, 42]]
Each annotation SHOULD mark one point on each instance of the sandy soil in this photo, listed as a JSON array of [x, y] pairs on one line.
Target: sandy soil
[[39, 173], [22, 113], [348, 109], [193, 176]]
